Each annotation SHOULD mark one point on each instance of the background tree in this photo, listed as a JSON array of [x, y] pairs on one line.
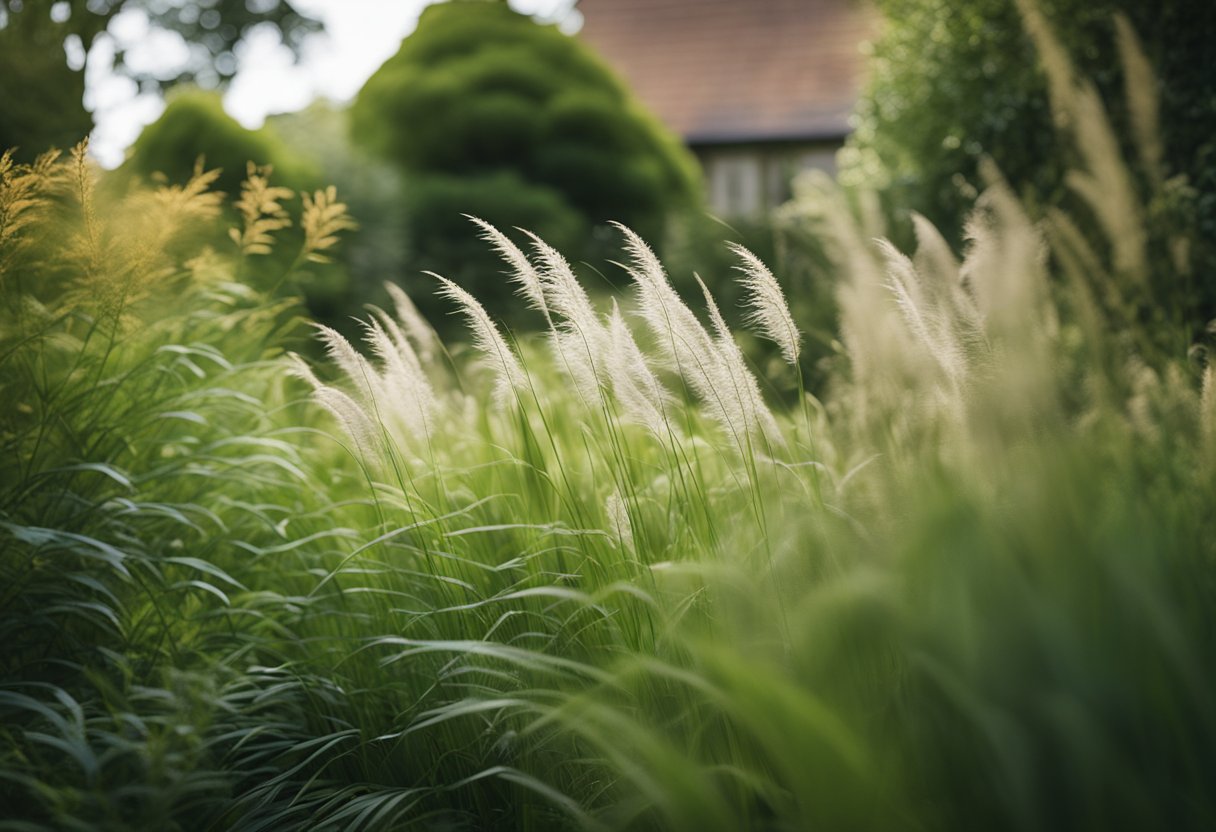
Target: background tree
[[487, 112], [953, 82], [43, 45], [194, 124]]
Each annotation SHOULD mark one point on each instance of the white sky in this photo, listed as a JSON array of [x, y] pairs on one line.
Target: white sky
[[360, 35]]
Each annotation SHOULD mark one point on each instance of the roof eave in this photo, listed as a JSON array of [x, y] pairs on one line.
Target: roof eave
[[822, 136]]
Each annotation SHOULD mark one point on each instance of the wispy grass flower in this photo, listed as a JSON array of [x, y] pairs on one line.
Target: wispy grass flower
[[637, 389], [746, 416], [766, 304], [413, 324], [346, 411], [510, 377], [523, 273]]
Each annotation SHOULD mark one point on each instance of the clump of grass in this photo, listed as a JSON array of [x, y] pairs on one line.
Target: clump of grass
[[597, 580], [952, 599]]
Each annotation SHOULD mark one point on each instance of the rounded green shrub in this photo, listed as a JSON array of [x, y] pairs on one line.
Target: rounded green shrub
[[195, 125], [489, 113]]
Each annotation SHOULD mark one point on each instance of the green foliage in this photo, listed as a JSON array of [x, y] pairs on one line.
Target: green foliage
[[41, 97], [953, 83], [482, 107], [42, 93], [124, 360], [372, 189], [195, 125], [212, 27]]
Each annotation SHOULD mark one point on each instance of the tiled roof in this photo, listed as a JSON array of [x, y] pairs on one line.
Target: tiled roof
[[737, 70]]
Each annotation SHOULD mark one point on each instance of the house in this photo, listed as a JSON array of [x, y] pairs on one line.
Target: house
[[758, 89]]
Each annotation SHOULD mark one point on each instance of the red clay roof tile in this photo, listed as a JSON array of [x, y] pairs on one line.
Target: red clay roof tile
[[737, 70]]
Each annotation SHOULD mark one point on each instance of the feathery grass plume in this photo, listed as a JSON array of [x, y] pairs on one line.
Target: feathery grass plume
[[358, 371], [510, 377], [905, 285], [713, 368], [260, 210], [642, 397], [87, 248], [141, 228], [193, 202], [1006, 270], [348, 413], [1103, 303], [24, 197], [209, 268], [619, 524], [676, 330], [933, 254], [1104, 182], [1107, 186], [931, 324], [675, 327], [563, 293], [426, 341], [768, 311], [882, 358], [1140, 87], [120, 256], [401, 342], [684, 341], [323, 218], [523, 274], [1094, 302], [936, 264], [735, 387], [1163, 395], [579, 338], [582, 362], [408, 400], [1005, 266]]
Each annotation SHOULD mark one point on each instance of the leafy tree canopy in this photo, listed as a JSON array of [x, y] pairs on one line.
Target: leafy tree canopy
[[43, 44], [488, 112]]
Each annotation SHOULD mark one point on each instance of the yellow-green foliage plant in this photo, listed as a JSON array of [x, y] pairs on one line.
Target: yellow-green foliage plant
[[137, 457], [596, 579]]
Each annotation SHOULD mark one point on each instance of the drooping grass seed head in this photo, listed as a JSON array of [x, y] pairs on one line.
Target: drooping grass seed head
[[642, 397], [426, 341], [766, 304], [734, 388], [361, 374], [523, 273], [510, 377], [345, 410]]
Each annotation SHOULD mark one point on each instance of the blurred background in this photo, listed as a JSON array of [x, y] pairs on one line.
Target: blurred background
[[691, 121]]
